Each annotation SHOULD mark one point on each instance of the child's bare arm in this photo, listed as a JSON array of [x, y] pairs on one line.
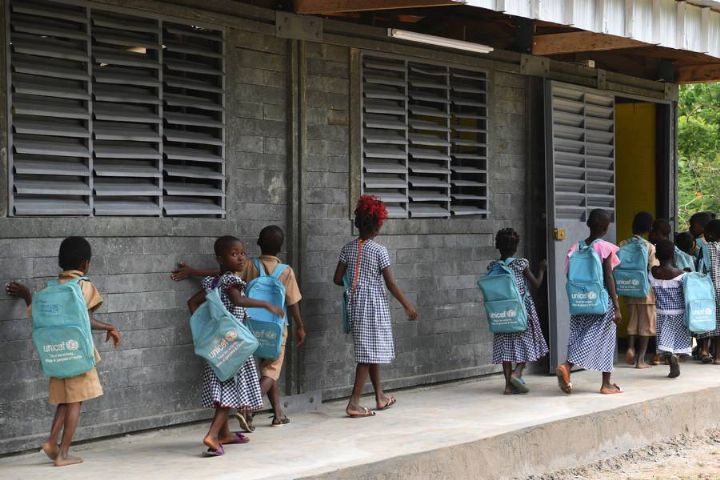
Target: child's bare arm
[[238, 299], [112, 332], [610, 285], [184, 271], [339, 273], [18, 290], [294, 312], [535, 282], [196, 300], [397, 293]]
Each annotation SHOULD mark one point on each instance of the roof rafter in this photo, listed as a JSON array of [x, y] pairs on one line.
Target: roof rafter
[[327, 7], [572, 42]]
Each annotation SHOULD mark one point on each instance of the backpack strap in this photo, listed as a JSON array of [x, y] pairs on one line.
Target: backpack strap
[[356, 276], [279, 271], [73, 281], [260, 267]]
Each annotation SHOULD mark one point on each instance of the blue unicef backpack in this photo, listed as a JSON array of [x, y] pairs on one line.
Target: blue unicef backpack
[[267, 327], [699, 295], [220, 338], [631, 276], [504, 306], [61, 329], [683, 261], [585, 285]]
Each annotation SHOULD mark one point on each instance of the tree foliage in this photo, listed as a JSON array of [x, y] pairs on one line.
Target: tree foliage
[[698, 150]]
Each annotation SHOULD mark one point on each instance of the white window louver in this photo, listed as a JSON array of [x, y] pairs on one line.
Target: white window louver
[[113, 114], [424, 138]]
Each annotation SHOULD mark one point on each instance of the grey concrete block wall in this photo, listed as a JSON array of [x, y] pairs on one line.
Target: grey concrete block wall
[[153, 379]]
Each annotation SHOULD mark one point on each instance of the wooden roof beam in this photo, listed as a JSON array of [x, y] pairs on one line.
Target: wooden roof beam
[[698, 73], [573, 42], [329, 7]]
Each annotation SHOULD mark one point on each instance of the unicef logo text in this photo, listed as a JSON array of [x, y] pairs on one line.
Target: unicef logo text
[[501, 315]]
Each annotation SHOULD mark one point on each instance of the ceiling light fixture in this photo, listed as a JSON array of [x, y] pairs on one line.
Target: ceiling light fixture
[[438, 41]]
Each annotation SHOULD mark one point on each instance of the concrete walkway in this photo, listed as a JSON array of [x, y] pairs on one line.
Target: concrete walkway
[[460, 430]]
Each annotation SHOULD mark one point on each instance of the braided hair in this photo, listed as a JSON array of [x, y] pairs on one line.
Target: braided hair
[[507, 240], [370, 214]]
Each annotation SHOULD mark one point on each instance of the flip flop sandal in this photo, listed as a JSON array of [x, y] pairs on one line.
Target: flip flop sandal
[[366, 413], [706, 359], [279, 421], [238, 439], [519, 385], [214, 452], [389, 404], [245, 422], [674, 367], [563, 378], [612, 392]]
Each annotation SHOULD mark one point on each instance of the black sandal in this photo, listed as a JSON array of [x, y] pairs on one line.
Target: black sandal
[[279, 422]]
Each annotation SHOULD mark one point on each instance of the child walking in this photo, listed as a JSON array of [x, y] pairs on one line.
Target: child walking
[[673, 337], [521, 347], [698, 222], [368, 265], [591, 345], [69, 393], [270, 241], [712, 250], [242, 391], [641, 310], [685, 251]]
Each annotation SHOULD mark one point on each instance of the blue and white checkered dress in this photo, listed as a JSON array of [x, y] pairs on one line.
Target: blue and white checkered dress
[[591, 344], [713, 268], [368, 309], [243, 390], [672, 335], [520, 347]]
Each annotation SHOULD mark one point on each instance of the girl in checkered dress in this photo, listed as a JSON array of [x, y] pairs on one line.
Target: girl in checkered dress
[[367, 265], [243, 390], [591, 344], [520, 347], [711, 249], [673, 337]]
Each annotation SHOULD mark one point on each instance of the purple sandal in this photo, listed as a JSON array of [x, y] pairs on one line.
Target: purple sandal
[[239, 439], [217, 452]]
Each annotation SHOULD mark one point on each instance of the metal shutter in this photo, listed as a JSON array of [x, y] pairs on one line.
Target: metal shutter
[[583, 150], [113, 114], [424, 138]]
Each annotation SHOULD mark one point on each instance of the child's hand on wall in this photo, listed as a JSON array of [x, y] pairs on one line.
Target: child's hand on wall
[[182, 272], [114, 335], [18, 290]]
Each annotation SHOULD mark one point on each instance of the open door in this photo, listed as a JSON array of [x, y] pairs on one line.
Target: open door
[[580, 176]]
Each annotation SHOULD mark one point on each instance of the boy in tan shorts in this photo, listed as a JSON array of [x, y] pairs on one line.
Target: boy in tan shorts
[[270, 241], [69, 393]]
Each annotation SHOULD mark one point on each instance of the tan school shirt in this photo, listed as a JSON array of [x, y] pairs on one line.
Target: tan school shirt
[[652, 262], [292, 291], [92, 296]]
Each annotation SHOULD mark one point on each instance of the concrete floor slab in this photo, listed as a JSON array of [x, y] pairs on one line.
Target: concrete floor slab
[[458, 430]]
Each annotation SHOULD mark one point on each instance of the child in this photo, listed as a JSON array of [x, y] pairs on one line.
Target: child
[[641, 310], [69, 393], [368, 264], [270, 241], [698, 222], [243, 390], [592, 337], [660, 230], [685, 247], [521, 347], [712, 248], [673, 337]]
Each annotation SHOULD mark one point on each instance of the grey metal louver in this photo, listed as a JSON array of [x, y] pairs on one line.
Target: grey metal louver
[[424, 138], [107, 107]]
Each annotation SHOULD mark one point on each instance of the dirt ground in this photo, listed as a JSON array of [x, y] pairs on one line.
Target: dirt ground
[[681, 458]]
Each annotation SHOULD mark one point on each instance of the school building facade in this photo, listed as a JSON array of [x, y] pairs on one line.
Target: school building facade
[[152, 127]]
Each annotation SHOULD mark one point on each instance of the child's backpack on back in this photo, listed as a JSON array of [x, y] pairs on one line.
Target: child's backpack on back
[[585, 285], [631, 276], [699, 295], [683, 261], [61, 329], [267, 327], [504, 306], [220, 338]]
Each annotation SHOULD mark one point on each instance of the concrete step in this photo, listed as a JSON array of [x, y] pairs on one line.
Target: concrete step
[[454, 431]]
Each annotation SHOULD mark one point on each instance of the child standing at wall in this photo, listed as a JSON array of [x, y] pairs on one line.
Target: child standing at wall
[[641, 310], [243, 390], [520, 347], [673, 337], [270, 241], [69, 393], [591, 344], [368, 265], [712, 250]]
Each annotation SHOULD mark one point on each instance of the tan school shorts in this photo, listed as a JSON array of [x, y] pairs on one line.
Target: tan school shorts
[[271, 368], [642, 320], [75, 389]]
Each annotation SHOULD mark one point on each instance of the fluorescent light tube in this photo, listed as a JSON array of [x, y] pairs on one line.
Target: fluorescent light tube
[[439, 41]]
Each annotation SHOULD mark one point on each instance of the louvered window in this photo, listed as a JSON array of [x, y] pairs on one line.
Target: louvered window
[[113, 113], [424, 138]]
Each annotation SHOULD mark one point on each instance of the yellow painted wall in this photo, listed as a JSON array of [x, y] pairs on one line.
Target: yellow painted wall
[[635, 166]]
